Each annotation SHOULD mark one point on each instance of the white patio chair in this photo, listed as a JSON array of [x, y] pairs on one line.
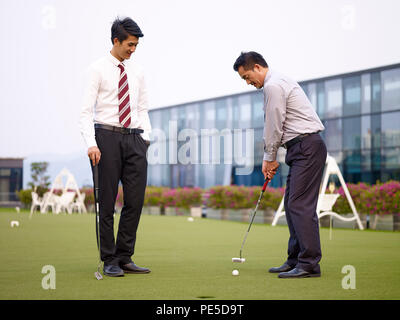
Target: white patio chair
[[65, 202], [36, 202], [49, 200], [325, 203], [79, 204]]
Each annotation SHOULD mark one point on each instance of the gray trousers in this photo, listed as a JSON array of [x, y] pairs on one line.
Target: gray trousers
[[306, 160]]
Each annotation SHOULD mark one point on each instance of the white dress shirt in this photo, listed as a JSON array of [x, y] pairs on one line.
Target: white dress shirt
[[288, 113], [100, 102]]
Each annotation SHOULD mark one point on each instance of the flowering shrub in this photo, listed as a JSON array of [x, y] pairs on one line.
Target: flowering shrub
[[189, 197], [182, 197], [381, 198], [232, 197], [272, 198], [240, 197], [356, 190], [154, 196]]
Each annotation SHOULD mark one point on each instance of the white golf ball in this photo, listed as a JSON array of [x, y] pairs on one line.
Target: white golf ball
[[190, 219], [235, 272]]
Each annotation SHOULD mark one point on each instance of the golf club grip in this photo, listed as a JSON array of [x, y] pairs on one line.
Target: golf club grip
[[265, 185], [96, 180]]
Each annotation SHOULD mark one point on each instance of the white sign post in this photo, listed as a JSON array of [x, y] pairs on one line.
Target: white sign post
[[326, 201]]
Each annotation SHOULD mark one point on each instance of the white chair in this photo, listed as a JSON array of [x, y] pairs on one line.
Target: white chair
[[65, 202], [36, 202], [324, 208], [49, 200], [326, 202], [79, 204]]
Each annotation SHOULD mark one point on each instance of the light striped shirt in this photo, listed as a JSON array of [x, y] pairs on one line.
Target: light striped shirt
[[288, 113]]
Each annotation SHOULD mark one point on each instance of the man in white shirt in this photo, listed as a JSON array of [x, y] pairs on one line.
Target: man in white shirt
[[115, 125], [291, 122]]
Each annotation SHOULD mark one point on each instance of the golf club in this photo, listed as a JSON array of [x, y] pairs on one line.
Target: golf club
[[97, 274], [240, 259]]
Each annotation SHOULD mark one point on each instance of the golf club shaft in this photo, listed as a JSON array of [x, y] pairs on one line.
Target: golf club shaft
[[254, 214], [96, 208]]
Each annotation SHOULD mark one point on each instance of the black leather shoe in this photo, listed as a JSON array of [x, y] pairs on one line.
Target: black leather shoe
[[112, 271], [133, 268], [298, 273], [283, 268]]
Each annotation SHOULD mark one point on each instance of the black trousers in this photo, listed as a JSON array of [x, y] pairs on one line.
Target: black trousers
[[123, 158], [306, 160]]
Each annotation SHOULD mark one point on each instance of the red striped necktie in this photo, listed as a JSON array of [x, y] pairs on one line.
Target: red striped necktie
[[123, 98]]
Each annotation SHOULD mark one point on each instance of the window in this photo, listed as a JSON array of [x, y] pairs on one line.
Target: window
[[352, 166], [10, 183], [366, 93], [352, 133], [312, 94], [376, 131], [391, 158], [391, 129], [333, 134], [164, 119], [221, 114], [193, 117], [209, 115], [258, 146], [391, 89], [333, 98], [376, 92], [321, 99], [366, 169], [182, 118], [352, 96], [366, 132], [257, 104], [244, 111], [390, 164]]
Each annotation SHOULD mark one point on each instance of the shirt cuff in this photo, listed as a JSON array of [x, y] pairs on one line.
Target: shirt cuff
[[269, 156], [270, 151], [91, 142], [145, 135]]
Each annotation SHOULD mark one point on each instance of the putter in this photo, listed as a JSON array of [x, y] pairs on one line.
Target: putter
[[97, 274], [240, 259]]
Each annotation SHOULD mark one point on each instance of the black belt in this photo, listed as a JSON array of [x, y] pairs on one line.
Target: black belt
[[300, 137], [122, 130]]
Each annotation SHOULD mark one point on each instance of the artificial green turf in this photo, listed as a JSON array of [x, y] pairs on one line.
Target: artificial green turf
[[188, 260]]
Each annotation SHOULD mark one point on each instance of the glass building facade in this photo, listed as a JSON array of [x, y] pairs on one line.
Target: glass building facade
[[219, 141]]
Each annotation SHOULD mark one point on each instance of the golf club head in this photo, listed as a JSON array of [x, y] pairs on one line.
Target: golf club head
[[98, 275], [238, 260]]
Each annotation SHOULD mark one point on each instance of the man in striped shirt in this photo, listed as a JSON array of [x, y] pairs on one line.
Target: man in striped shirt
[[115, 125]]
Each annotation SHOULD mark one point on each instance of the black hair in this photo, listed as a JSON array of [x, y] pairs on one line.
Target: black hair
[[248, 59], [121, 29]]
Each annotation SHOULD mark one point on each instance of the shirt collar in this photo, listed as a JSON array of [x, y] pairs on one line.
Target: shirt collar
[[267, 76], [114, 60]]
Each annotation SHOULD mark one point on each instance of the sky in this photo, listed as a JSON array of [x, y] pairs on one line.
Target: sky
[[187, 52]]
